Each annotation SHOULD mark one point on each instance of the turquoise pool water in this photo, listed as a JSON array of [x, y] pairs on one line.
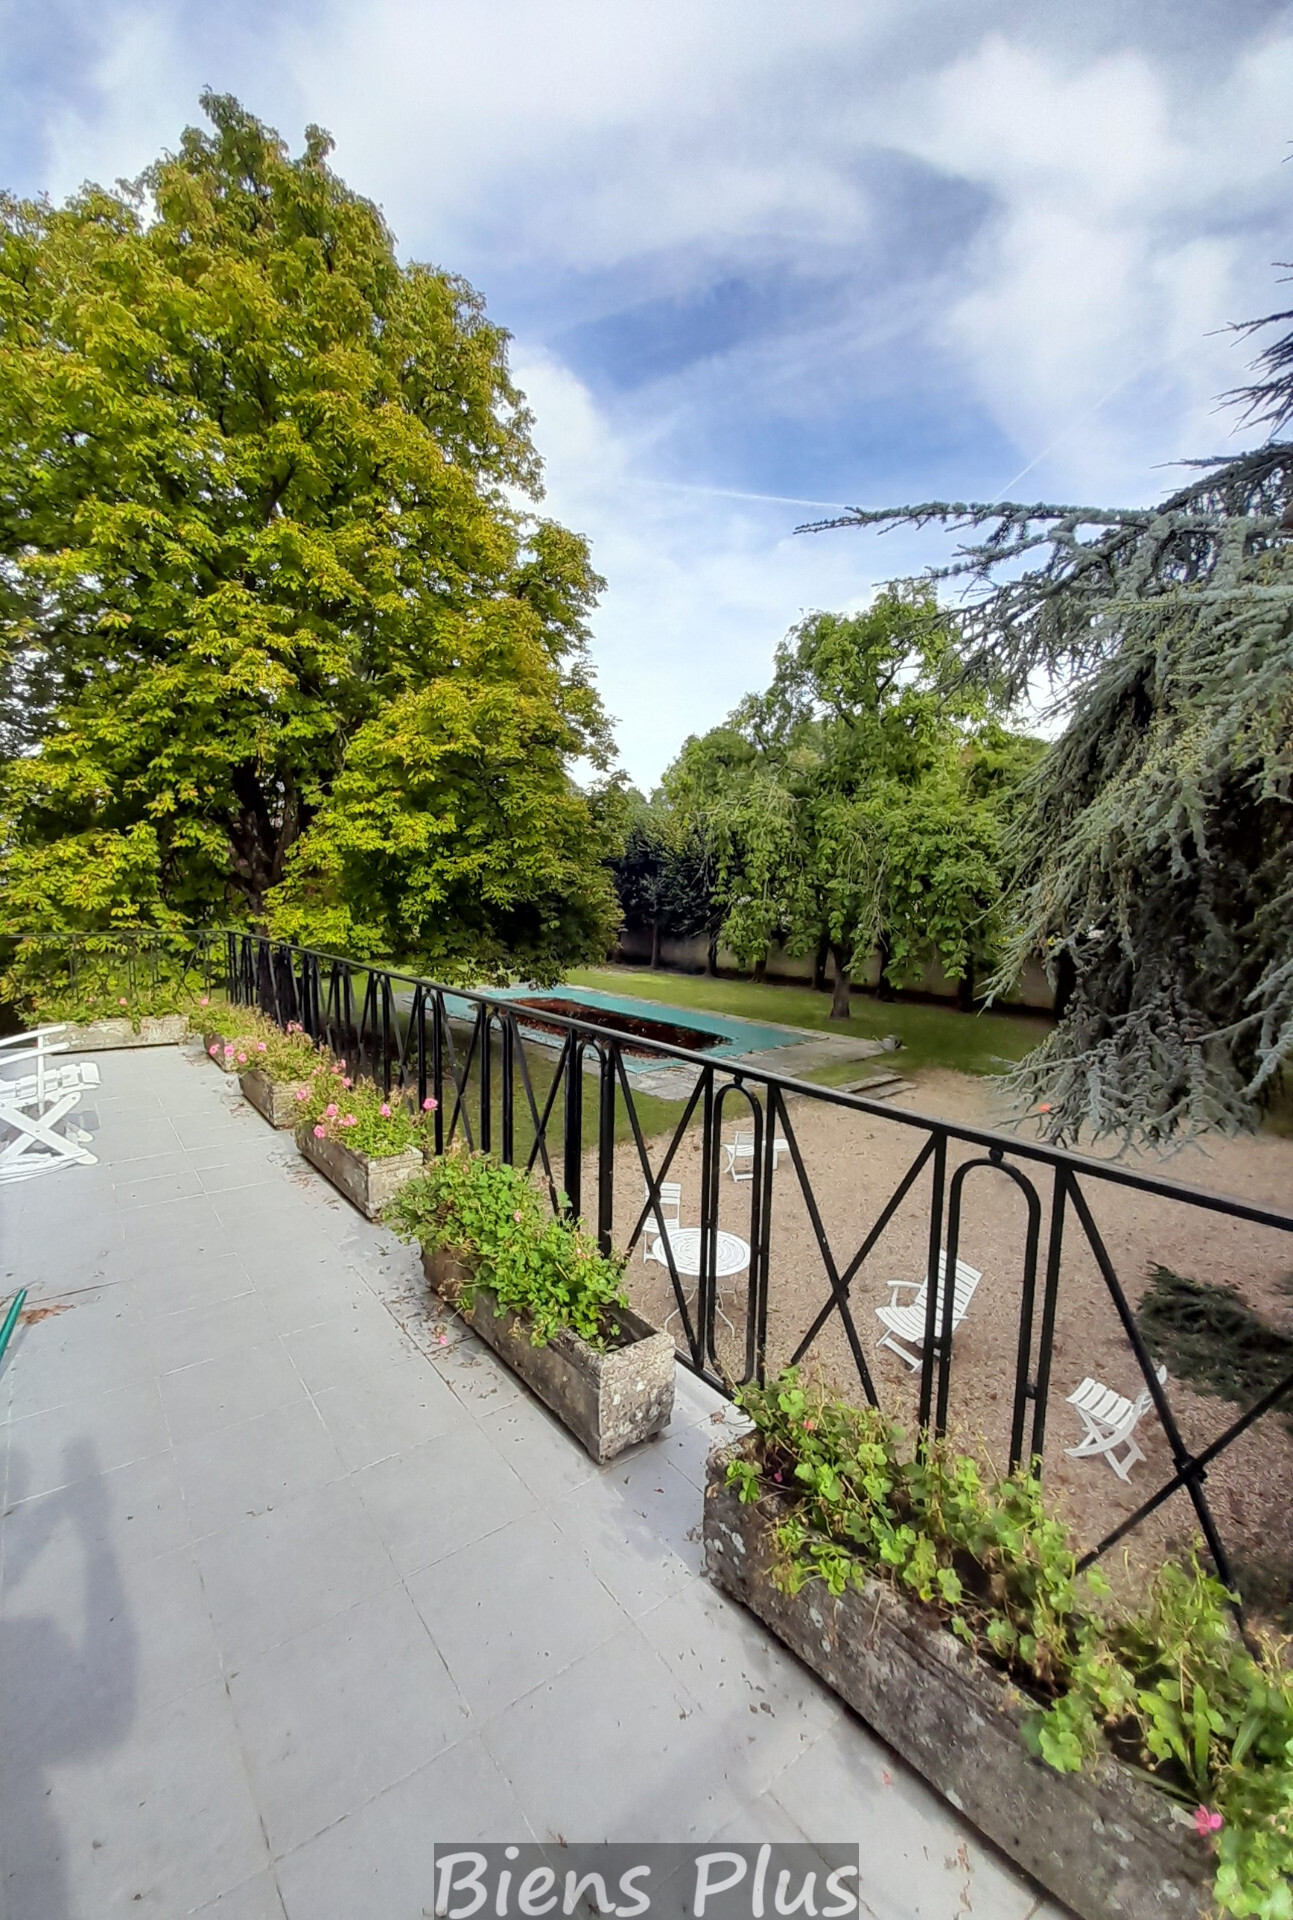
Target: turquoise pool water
[[734, 1036]]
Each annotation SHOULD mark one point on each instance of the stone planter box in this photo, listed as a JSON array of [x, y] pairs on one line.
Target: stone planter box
[[609, 1401], [367, 1183], [1104, 1842], [104, 1036], [274, 1100]]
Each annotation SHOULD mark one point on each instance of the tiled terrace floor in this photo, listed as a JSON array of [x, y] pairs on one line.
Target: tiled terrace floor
[[289, 1590]]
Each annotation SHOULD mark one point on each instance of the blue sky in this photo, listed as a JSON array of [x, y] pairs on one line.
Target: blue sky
[[757, 256]]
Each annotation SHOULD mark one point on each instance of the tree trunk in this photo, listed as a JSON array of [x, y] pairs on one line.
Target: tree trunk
[[1065, 983], [842, 988], [761, 967], [711, 957], [965, 988], [655, 946], [819, 966], [883, 990]]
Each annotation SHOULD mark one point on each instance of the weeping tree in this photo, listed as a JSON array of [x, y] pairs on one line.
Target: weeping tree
[[1152, 859]]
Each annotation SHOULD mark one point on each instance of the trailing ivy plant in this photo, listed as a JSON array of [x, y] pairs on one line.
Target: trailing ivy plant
[[1169, 1687], [539, 1265]]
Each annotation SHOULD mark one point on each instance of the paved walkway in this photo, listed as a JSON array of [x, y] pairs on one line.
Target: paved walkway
[[289, 1589]]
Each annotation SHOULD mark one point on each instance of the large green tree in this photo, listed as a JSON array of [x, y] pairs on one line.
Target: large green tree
[[1153, 864], [856, 803], [276, 639]]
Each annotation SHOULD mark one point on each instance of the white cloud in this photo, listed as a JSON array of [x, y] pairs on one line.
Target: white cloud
[[702, 584], [1006, 241]]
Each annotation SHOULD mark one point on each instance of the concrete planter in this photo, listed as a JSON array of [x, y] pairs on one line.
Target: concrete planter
[[609, 1401], [274, 1100], [108, 1036], [366, 1182], [1104, 1842]]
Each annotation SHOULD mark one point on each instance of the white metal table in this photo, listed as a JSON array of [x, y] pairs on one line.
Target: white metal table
[[731, 1255]]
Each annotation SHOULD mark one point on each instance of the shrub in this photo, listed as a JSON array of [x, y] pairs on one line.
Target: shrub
[[541, 1266], [356, 1112], [1169, 1687]]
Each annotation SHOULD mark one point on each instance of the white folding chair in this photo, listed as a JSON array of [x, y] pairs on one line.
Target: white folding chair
[[33, 1104], [908, 1323], [666, 1213], [740, 1153], [37, 1146], [1110, 1420]]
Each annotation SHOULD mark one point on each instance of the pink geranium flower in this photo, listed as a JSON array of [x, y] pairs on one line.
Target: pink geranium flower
[[429, 1105], [260, 1046], [228, 1049], [122, 1001], [214, 1050], [318, 1133], [242, 1059], [346, 1081], [341, 1066], [302, 1093], [330, 1111], [384, 1110], [349, 1120], [205, 1000], [1206, 1822]]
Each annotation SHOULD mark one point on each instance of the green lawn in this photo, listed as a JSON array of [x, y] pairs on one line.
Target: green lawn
[[931, 1036]]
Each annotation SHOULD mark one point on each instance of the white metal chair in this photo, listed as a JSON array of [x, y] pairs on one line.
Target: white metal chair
[[740, 1152], [1110, 1420], [34, 1103], [667, 1212], [908, 1323]]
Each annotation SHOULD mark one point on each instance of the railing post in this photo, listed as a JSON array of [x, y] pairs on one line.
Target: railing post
[[573, 1154], [606, 1146], [485, 1048]]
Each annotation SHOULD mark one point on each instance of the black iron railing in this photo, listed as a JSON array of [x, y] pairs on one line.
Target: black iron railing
[[561, 1109]]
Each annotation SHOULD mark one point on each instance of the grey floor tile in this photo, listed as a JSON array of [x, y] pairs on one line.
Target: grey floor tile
[[148, 1191], [622, 1545], [918, 1861], [477, 1376], [545, 1454], [497, 1645], [151, 1817], [138, 1509], [362, 1336], [216, 1393], [441, 1496], [290, 1569], [118, 1638], [258, 1464], [155, 1161], [184, 1283], [305, 1292], [613, 1749], [93, 1435], [388, 1409], [335, 1715], [255, 1899], [378, 1861], [158, 1236], [773, 1707], [215, 1331]]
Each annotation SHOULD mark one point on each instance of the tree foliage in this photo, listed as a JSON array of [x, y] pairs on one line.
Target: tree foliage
[[856, 803], [1153, 864], [268, 615]]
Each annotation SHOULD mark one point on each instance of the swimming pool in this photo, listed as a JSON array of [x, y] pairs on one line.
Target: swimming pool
[[718, 1035]]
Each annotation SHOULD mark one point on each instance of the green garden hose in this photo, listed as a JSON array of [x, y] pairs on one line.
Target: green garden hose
[[11, 1320]]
